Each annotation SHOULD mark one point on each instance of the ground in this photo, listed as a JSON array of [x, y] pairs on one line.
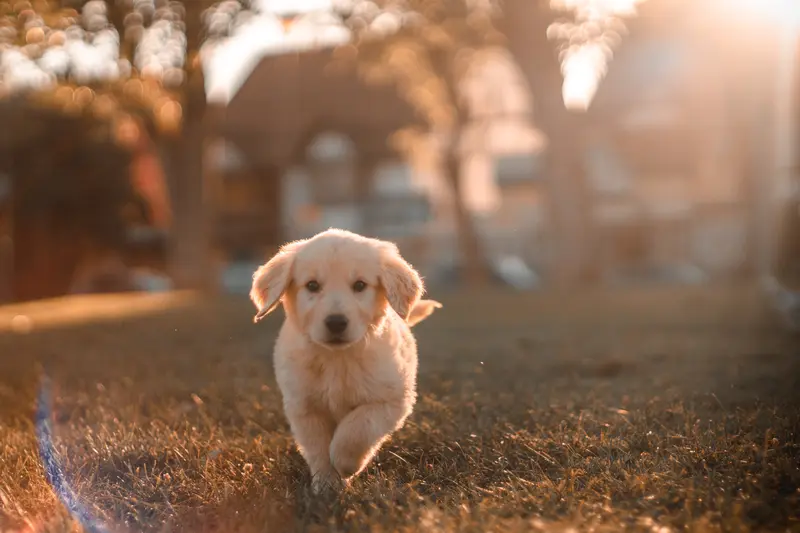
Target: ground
[[646, 410]]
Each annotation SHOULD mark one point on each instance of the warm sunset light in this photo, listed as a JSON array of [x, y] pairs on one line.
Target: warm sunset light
[[772, 11], [587, 44]]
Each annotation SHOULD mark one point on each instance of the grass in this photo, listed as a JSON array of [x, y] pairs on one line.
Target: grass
[[651, 410]]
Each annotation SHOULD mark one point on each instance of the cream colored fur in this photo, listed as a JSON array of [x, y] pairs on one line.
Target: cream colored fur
[[343, 396]]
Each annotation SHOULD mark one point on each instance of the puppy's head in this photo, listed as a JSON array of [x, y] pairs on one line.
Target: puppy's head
[[336, 286]]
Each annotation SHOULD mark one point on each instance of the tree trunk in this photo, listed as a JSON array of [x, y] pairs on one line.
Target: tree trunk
[[474, 263], [190, 261], [568, 204], [785, 248], [526, 25]]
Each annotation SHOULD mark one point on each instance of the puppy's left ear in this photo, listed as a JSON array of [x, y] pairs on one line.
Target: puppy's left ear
[[401, 282], [272, 279]]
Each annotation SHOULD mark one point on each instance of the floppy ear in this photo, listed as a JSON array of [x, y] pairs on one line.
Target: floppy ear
[[422, 310], [272, 279], [401, 282]]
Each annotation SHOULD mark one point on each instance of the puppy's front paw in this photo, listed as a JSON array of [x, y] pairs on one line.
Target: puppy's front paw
[[348, 467], [349, 458], [328, 481]]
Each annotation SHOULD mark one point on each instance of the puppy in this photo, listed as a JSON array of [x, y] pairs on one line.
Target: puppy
[[422, 310], [345, 358]]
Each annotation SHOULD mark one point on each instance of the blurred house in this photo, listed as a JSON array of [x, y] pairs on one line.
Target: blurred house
[[666, 156], [302, 149], [645, 167], [672, 153], [318, 153], [668, 175]]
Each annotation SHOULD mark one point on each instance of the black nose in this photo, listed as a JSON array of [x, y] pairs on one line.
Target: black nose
[[336, 324]]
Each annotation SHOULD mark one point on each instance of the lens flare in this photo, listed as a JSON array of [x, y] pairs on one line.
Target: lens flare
[[53, 471]]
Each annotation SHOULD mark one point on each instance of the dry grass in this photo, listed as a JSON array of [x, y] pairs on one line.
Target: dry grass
[[650, 410]]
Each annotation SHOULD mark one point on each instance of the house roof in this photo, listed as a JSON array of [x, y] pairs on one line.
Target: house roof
[[289, 99]]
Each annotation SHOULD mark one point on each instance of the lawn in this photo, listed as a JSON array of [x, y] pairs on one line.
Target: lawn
[[641, 410]]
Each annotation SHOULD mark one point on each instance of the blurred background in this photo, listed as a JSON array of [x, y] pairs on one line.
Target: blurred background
[[160, 144]]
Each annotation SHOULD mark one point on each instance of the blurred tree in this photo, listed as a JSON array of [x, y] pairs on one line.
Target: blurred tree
[[425, 48], [564, 48], [128, 65], [528, 23], [71, 193], [143, 56]]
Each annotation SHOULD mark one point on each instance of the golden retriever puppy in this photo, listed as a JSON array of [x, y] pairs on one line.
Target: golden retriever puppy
[[345, 358]]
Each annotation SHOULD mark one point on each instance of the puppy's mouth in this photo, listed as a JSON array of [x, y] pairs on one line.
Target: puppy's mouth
[[338, 342], [335, 342]]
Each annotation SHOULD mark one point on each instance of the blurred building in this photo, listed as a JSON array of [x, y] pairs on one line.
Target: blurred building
[[668, 195], [298, 149], [669, 190], [680, 134], [303, 148], [677, 149], [662, 178]]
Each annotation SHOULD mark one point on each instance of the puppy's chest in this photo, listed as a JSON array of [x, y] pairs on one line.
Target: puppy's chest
[[340, 385]]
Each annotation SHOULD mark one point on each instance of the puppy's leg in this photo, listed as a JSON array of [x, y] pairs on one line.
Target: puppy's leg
[[313, 433], [361, 433]]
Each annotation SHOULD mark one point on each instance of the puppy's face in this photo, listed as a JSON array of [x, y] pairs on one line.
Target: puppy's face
[[335, 295], [336, 286]]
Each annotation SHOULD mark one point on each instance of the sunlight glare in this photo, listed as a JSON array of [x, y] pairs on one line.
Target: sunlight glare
[[293, 7], [771, 11], [88, 48], [583, 68], [587, 45], [230, 59]]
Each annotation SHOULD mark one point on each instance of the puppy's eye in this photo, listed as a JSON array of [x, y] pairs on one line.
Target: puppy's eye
[[359, 286], [313, 286]]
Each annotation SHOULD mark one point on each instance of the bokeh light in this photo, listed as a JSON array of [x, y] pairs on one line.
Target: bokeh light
[[39, 50], [238, 37], [587, 44]]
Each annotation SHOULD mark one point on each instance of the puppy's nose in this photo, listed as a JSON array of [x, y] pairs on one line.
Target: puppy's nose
[[336, 324]]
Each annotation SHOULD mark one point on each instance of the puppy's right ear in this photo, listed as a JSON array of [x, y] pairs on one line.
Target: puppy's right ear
[[422, 310], [401, 282], [272, 279]]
